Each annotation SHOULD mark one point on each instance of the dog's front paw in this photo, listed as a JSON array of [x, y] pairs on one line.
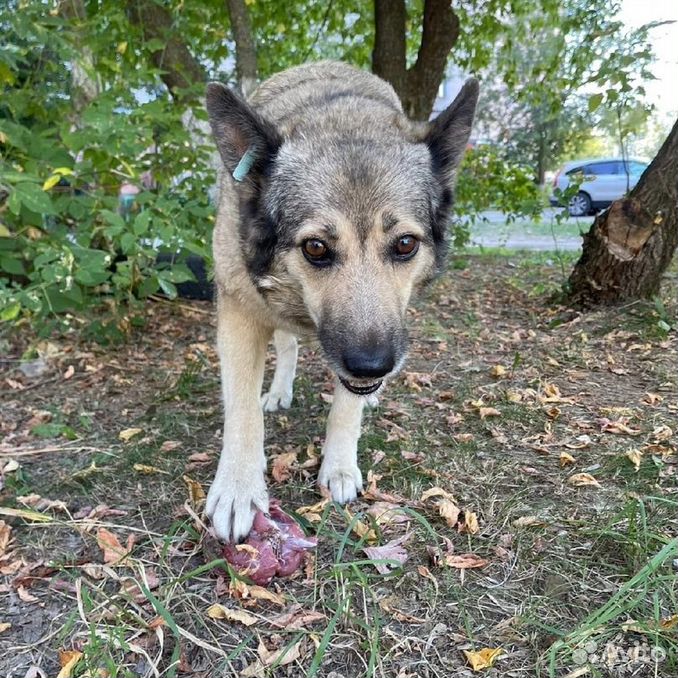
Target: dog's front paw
[[232, 502], [276, 400], [344, 482]]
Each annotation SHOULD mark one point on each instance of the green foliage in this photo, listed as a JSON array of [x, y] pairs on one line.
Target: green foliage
[[558, 75], [488, 180], [67, 242]]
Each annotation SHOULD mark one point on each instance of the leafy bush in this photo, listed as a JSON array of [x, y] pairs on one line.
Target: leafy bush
[[489, 181], [67, 242]]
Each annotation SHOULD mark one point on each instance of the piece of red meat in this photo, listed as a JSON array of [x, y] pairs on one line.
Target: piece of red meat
[[275, 546]]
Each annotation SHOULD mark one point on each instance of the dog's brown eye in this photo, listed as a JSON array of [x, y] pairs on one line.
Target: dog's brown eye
[[406, 246], [316, 251]]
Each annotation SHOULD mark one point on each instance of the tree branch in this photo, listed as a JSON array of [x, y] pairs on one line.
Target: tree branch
[[440, 32], [180, 70], [245, 48], [389, 57]]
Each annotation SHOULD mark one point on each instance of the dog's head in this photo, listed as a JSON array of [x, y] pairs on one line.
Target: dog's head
[[338, 230]]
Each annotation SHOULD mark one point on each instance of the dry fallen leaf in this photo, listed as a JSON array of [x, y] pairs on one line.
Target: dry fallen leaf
[[148, 470], [25, 596], [127, 434], [488, 412], [436, 492], [112, 549], [281, 657], [483, 659], [218, 611], [5, 626], [528, 521], [196, 495], [635, 456], [5, 536], [566, 459], [463, 561], [498, 371], [170, 445], [67, 660], [297, 618], [662, 433], [468, 523], [35, 516], [393, 550], [449, 511], [281, 469], [361, 529], [582, 480]]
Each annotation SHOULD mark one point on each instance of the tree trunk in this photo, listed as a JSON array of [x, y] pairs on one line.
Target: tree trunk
[[417, 87], [631, 244], [245, 48], [179, 69]]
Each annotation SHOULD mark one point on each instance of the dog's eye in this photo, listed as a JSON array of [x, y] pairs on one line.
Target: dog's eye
[[406, 247], [317, 252]]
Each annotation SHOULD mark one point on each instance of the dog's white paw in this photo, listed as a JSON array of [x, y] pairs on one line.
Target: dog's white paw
[[276, 400], [344, 482], [232, 503]]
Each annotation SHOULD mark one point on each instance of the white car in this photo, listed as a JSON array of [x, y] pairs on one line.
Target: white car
[[601, 181]]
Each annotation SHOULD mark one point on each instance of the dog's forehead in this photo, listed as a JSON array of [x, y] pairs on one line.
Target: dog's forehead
[[358, 178]]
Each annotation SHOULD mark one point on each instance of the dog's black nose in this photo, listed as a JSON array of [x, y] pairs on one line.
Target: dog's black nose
[[373, 361]]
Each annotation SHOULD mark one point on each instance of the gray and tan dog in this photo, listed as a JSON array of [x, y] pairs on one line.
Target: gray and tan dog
[[334, 209]]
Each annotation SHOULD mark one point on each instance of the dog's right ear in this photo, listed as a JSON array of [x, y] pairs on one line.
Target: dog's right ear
[[246, 141]]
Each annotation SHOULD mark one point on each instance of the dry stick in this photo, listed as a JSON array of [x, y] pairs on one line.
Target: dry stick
[[22, 452]]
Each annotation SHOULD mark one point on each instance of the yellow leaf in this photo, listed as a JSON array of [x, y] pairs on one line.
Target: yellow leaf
[[4, 231], [64, 171], [528, 521], [359, 528], [122, 47], [449, 511], [483, 659], [148, 470], [196, 494], [218, 611], [469, 524], [498, 371], [51, 182], [4, 626], [3, 138], [68, 659], [25, 514], [566, 459], [635, 456], [436, 492], [129, 433], [583, 479]]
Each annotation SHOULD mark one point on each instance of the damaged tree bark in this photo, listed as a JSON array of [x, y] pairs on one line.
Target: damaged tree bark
[[631, 244]]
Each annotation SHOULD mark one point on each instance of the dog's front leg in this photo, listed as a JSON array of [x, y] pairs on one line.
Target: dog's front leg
[[239, 487], [339, 470], [282, 386]]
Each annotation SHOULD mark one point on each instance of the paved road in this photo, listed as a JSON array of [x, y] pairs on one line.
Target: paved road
[[494, 232]]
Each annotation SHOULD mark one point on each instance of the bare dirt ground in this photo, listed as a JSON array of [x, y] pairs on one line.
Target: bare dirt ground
[[527, 456]]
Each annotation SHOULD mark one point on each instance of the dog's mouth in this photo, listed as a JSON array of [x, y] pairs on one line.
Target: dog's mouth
[[360, 389]]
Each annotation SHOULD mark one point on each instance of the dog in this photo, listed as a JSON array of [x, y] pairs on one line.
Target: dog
[[333, 211]]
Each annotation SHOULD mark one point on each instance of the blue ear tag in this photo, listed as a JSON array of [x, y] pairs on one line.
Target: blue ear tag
[[244, 166]]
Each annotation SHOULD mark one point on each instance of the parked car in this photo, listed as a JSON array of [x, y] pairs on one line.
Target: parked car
[[601, 181]]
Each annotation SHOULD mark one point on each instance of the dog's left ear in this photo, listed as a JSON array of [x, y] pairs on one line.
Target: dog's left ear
[[246, 141], [448, 134]]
